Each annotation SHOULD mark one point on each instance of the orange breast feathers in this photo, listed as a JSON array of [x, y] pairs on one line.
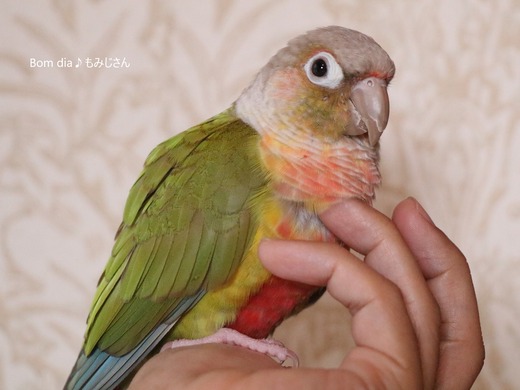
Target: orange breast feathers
[[309, 170]]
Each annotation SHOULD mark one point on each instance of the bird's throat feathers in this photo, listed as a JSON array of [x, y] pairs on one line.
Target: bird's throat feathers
[[318, 172]]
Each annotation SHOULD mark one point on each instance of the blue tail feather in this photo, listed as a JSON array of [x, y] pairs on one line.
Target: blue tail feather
[[102, 371]]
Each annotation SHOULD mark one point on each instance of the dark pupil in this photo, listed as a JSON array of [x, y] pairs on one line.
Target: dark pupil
[[319, 68]]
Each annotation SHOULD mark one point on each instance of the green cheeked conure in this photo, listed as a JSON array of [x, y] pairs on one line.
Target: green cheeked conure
[[303, 136]]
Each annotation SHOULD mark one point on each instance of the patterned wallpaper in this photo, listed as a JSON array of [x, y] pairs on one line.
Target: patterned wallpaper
[[88, 87]]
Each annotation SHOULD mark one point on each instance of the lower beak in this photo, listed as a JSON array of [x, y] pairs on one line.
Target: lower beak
[[371, 108]]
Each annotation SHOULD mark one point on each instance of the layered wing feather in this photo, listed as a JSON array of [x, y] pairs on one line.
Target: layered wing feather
[[187, 223]]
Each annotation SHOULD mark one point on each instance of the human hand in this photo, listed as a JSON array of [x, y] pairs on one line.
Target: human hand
[[414, 312]]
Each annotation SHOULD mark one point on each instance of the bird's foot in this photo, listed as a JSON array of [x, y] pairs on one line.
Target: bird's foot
[[270, 347]]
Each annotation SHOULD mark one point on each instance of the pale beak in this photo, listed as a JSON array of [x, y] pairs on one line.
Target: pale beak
[[371, 108]]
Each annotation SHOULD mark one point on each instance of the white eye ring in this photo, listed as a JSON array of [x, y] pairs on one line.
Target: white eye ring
[[323, 70]]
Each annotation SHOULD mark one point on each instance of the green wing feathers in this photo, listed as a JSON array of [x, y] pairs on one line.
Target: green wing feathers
[[186, 225]]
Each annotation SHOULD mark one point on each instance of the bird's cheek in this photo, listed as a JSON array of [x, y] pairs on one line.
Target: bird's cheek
[[333, 110], [284, 86], [332, 116]]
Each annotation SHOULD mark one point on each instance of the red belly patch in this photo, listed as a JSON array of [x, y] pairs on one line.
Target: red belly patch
[[276, 300]]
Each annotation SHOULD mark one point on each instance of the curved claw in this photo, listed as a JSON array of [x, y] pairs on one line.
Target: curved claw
[[370, 100]]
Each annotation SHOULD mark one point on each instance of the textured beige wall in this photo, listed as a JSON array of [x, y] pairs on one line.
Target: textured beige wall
[[72, 141]]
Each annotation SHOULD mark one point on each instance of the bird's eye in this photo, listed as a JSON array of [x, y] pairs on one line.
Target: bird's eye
[[319, 67], [322, 69]]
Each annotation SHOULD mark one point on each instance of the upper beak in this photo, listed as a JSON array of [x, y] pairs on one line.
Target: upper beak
[[371, 107]]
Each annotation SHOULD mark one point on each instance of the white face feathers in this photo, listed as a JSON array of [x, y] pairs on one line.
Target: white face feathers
[[322, 69]]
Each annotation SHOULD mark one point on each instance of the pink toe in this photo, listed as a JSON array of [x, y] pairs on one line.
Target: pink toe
[[270, 347]]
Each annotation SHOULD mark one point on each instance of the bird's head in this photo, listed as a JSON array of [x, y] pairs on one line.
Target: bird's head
[[330, 82]]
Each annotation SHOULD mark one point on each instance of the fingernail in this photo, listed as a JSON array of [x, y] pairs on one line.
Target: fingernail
[[423, 212]]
